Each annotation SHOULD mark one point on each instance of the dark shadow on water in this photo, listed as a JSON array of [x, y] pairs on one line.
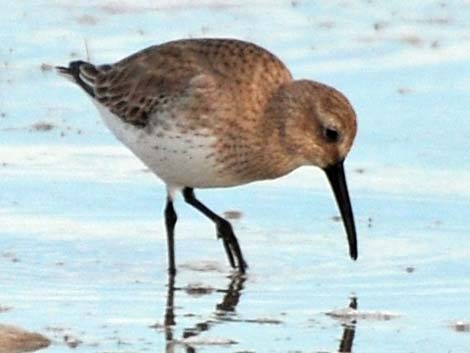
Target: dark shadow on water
[[225, 311]]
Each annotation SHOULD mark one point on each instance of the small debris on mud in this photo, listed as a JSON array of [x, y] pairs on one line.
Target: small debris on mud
[[435, 44], [4, 309], [378, 26], [198, 289], [233, 214], [10, 256], [42, 126], [461, 326], [294, 3], [64, 334], [71, 341], [404, 90], [359, 170], [353, 314], [412, 40]]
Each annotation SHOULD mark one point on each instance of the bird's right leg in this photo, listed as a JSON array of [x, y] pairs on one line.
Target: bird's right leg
[[224, 230], [170, 222]]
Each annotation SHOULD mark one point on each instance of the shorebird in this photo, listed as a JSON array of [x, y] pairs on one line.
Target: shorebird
[[210, 113]]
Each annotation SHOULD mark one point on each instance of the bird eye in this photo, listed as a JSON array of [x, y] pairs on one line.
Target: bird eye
[[331, 135]]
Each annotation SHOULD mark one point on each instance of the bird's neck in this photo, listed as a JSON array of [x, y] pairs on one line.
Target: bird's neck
[[276, 157]]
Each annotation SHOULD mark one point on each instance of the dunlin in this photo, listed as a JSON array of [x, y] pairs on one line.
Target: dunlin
[[207, 113]]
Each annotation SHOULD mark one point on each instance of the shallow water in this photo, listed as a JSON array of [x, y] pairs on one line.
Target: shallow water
[[83, 252]]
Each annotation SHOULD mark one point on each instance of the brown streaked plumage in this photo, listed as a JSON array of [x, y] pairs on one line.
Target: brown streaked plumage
[[206, 113]]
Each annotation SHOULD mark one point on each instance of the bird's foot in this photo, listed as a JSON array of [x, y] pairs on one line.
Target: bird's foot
[[232, 248]]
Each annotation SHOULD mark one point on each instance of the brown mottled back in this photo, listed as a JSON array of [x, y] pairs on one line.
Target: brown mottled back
[[137, 86]]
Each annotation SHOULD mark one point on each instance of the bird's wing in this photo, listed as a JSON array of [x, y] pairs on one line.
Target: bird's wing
[[149, 80]]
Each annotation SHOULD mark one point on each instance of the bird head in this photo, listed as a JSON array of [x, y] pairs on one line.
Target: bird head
[[318, 127]]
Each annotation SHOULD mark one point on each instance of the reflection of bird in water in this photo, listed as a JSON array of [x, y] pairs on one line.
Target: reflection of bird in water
[[349, 331], [223, 311], [207, 113]]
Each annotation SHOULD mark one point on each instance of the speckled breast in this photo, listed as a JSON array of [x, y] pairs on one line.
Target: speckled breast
[[179, 157]]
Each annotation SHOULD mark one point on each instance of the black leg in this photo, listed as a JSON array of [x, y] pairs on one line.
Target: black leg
[[224, 230], [170, 221]]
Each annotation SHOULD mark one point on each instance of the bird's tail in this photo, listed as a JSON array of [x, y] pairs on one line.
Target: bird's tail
[[82, 73]]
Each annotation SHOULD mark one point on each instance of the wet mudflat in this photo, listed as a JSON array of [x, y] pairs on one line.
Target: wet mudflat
[[100, 295], [82, 249]]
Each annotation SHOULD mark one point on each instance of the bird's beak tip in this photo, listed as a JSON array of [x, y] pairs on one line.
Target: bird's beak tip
[[337, 179], [354, 256]]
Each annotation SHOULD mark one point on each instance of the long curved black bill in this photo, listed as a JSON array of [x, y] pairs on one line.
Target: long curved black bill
[[335, 174]]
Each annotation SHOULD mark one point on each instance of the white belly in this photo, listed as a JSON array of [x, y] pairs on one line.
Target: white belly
[[179, 160]]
